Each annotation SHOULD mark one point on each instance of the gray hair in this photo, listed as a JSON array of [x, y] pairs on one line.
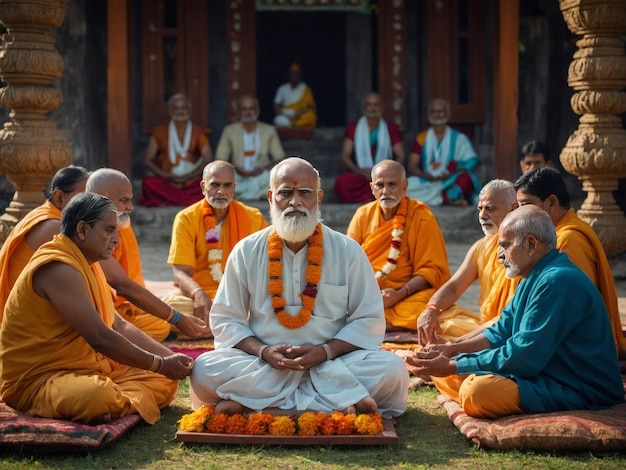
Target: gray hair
[[372, 93], [88, 207], [291, 161], [178, 96], [504, 187], [537, 223], [445, 103], [103, 178]]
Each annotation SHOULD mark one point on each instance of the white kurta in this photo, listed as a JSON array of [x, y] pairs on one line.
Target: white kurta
[[348, 307]]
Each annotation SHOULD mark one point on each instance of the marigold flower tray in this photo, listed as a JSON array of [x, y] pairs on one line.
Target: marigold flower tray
[[387, 437]]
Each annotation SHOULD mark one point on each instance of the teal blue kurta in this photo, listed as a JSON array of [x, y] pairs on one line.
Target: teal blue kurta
[[554, 339]]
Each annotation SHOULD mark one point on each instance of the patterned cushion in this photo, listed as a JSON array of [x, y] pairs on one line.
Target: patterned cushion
[[18, 429], [580, 430]]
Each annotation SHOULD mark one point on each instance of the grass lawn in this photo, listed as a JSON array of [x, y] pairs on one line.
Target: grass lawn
[[427, 439]]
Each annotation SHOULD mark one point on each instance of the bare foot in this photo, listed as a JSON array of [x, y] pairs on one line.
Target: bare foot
[[280, 411], [351, 410], [230, 407], [367, 405]]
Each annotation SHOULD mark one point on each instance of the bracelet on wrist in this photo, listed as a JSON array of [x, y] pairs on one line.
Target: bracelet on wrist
[[171, 315], [432, 307], [261, 351], [161, 363], [195, 291], [155, 363], [408, 289], [175, 318], [329, 352]]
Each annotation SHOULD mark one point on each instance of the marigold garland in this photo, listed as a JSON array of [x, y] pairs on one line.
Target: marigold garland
[[307, 424], [399, 219], [212, 237], [312, 276]]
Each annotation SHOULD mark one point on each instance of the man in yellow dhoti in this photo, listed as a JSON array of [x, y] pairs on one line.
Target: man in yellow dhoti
[[65, 353], [441, 320], [294, 104], [404, 244], [132, 300], [203, 236], [545, 188], [37, 227]]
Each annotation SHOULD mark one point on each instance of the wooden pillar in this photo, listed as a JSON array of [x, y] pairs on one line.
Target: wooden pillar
[[505, 99], [392, 59], [241, 40], [119, 86]]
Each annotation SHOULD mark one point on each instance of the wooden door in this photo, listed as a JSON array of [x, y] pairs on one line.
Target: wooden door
[[174, 58]]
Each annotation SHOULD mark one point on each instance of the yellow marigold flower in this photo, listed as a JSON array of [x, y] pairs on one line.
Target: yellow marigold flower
[[282, 426], [307, 424], [197, 420], [369, 423]]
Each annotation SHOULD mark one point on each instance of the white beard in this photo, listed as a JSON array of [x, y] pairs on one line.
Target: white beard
[[489, 229], [296, 228], [437, 121], [123, 219], [512, 270]]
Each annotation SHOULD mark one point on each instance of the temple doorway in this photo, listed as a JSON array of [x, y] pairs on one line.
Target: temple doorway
[[316, 41]]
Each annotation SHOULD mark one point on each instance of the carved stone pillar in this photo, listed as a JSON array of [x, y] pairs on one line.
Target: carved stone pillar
[[31, 147], [596, 151]]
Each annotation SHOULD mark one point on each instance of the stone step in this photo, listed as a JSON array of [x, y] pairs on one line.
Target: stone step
[[458, 224]]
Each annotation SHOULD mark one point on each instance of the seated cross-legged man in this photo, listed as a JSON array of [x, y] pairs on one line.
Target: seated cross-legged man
[[37, 227], [64, 352], [294, 104], [123, 272], [442, 320], [203, 236], [298, 317], [545, 188], [552, 347], [404, 244]]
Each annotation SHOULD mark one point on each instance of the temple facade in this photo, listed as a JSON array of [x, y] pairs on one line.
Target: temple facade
[[85, 82]]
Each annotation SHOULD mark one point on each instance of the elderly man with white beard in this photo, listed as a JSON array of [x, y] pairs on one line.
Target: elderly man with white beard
[[133, 301], [298, 317]]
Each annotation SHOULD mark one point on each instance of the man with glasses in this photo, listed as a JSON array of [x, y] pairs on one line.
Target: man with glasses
[[252, 147], [442, 161]]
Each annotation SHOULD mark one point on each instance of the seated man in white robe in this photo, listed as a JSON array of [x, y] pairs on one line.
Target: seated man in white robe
[[279, 345]]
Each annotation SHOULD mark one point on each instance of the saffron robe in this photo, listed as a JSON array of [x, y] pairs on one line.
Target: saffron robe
[[16, 253], [47, 369], [348, 307], [292, 100], [577, 238], [157, 191], [422, 252], [554, 340], [127, 255], [496, 290], [189, 246]]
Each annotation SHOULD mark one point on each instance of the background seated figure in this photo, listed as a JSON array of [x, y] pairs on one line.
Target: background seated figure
[[279, 345], [252, 147], [534, 155], [176, 154], [404, 244], [551, 349], [64, 351], [369, 140], [442, 161], [294, 104]]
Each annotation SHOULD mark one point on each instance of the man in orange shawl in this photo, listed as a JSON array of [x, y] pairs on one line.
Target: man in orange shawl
[[203, 236], [65, 353], [132, 300], [37, 227], [545, 188], [441, 320], [403, 242], [176, 154]]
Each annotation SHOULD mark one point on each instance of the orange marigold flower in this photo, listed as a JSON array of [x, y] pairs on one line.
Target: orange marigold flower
[[345, 424], [275, 287], [307, 424], [275, 269], [217, 424], [369, 423], [236, 424], [313, 274], [282, 426], [258, 423]]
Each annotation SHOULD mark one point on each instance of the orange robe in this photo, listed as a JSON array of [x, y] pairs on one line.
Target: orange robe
[[16, 253], [127, 255], [47, 369], [495, 292], [576, 238], [422, 252], [189, 245]]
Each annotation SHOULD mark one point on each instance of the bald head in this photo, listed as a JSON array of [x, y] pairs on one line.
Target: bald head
[[530, 220], [293, 165], [116, 186], [217, 166], [388, 166]]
